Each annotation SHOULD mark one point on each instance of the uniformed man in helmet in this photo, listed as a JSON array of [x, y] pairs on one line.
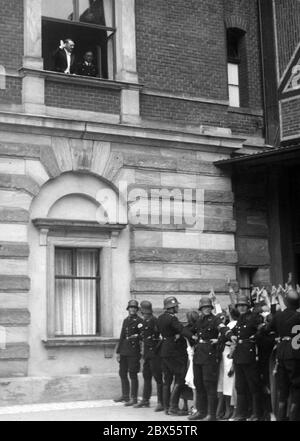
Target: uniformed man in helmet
[[286, 325], [206, 360], [247, 377], [129, 354], [173, 354], [152, 361]]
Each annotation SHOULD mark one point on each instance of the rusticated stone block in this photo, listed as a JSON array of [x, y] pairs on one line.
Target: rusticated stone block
[[49, 161], [14, 283], [182, 255], [253, 251], [15, 351], [14, 317], [12, 369], [223, 197], [219, 225], [13, 215], [19, 150], [19, 182], [11, 249]]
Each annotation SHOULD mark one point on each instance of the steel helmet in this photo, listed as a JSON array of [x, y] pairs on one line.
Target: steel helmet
[[170, 302], [133, 304], [242, 299], [146, 307], [205, 301]]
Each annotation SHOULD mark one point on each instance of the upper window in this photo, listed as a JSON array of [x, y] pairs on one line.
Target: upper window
[[78, 37], [237, 68], [77, 292]]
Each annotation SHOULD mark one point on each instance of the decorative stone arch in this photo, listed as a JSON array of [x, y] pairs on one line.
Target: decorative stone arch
[[236, 21], [68, 209]]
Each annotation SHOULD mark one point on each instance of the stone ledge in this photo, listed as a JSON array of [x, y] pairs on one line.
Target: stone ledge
[[153, 162], [11, 249], [83, 341], [171, 255], [80, 80], [14, 283], [210, 196], [183, 286], [16, 351]]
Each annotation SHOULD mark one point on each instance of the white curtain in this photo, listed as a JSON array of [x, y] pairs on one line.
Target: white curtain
[[76, 299], [63, 292], [84, 312]]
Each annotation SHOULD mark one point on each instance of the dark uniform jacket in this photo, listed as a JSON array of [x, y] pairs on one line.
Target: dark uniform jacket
[[283, 323], [207, 328], [150, 336], [245, 330], [169, 326], [88, 70], [129, 343]]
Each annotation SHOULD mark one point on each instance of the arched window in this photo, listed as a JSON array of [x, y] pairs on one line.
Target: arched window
[[237, 68]]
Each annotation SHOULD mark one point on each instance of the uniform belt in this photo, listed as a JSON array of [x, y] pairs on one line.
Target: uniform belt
[[242, 340], [285, 338], [203, 341]]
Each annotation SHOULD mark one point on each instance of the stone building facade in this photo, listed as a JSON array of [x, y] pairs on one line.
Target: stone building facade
[[80, 158]]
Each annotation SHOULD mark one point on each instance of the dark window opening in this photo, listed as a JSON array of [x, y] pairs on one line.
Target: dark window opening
[[90, 24], [237, 68]]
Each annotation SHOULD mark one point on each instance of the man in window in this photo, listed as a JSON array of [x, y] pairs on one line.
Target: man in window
[[87, 67], [64, 58]]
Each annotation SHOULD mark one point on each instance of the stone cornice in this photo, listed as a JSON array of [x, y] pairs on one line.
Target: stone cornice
[[212, 140]]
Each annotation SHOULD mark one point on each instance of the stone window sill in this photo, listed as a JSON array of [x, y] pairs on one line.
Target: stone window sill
[[246, 111], [79, 80], [79, 341]]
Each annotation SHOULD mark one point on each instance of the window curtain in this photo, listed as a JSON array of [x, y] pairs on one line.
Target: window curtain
[[75, 303], [92, 11], [63, 293], [84, 311]]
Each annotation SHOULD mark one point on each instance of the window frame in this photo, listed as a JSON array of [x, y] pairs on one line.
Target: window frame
[[77, 22], [231, 85], [74, 277], [105, 242]]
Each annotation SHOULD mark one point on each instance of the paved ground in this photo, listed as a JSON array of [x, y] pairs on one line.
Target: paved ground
[[105, 410]]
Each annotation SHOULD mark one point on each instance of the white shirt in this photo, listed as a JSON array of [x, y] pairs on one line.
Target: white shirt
[[68, 54]]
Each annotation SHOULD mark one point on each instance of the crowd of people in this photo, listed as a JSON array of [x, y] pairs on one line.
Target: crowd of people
[[239, 364]]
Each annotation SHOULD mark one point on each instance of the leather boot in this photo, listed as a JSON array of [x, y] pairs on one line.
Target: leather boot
[[174, 400], [212, 407], [134, 388], [241, 408], [125, 391], [220, 408], [228, 408], [166, 397], [294, 414], [159, 407], [256, 408], [131, 402], [282, 411], [142, 403]]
